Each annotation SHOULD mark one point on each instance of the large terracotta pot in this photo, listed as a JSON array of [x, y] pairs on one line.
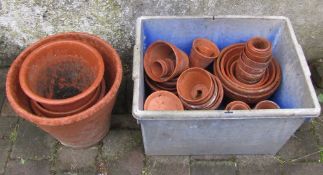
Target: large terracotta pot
[[62, 75], [87, 127]]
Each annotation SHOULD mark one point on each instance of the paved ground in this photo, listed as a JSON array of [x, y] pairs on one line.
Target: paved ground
[[25, 149]]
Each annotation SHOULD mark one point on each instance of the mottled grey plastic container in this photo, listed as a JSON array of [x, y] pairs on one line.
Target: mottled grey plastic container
[[220, 131]]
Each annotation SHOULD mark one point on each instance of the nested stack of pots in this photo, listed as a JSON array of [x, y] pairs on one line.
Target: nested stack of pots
[[245, 74], [67, 85]]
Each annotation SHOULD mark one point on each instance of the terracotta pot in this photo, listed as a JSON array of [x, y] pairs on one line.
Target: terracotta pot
[[246, 77], [163, 101], [41, 111], [267, 104], [167, 86], [203, 53], [199, 89], [259, 49], [249, 69], [195, 86], [234, 89], [87, 127], [237, 105], [163, 61], [62, 75], [251, 63]]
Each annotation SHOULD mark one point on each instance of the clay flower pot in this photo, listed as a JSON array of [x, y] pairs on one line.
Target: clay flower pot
[[259, 49], [267, 104], [198, 89], [237, 90], [237, 105], [163, 61], [62, 75], [163, 101], [41, 111], [203, 53], [82, 129]]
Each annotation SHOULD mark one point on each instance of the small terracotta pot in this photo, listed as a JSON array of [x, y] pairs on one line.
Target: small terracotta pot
[[197, 81], [62, 75], [163, 101], [246, 77], [259, 49], [163, 61], [195, 86], [249, 69], [203, 53], [237, 105], [87, 127], [267, 104], [251, 63], [41, 111]]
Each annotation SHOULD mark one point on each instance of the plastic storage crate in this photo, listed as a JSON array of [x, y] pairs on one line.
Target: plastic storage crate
[[220, 131]]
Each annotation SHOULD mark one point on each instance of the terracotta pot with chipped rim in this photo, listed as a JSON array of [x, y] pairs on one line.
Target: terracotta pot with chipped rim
[[163, 101], [62, 75], [203, 53], [237, 105], [267, 104], [41, 111], [157, 65], [87, 127]]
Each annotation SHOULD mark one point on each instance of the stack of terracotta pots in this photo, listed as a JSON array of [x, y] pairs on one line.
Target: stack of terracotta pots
[[163, 63], [67, 85], [166, 69], [247, 71]]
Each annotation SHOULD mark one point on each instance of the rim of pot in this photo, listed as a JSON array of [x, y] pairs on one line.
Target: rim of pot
[[23, 73], [80, 36]]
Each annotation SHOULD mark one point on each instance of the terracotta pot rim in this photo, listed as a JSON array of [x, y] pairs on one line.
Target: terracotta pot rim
[[98, 95], [169, 94], [267, 102], [254, 49], [217, 53], [237, 102], [181, 77], [68, 119], [24, 67]]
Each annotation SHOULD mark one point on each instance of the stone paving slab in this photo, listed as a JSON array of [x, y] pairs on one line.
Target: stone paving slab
[[76, 161], [28, 167], [303, 169], [122, 151], [7, 126], [259, 165], [6, 110], [203, 167], [166, 165], [301, 147], [32, 142]]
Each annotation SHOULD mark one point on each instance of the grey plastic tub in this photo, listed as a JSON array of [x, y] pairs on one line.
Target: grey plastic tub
[[220, 131]]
